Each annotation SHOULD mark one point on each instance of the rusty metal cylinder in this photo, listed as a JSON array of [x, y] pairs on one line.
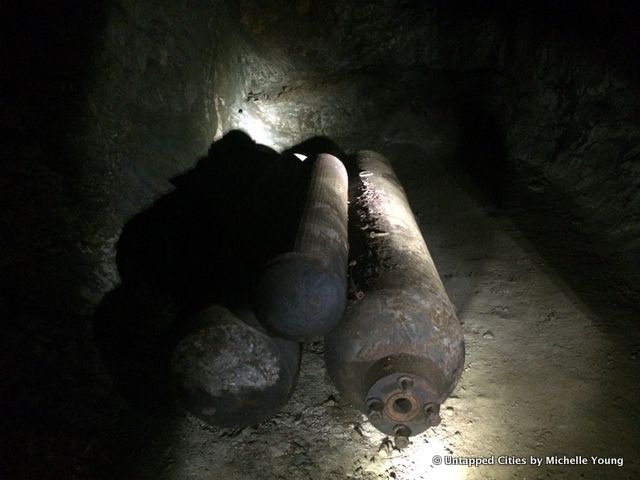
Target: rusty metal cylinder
[[230, 373], [399, 350], [303, 293]]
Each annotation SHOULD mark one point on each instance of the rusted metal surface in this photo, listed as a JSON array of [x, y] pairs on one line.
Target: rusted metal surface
[[229, 372], [303, 293], [399, 351]]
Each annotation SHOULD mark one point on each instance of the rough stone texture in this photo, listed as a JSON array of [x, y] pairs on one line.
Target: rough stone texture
[[535, 107], [574, 127]]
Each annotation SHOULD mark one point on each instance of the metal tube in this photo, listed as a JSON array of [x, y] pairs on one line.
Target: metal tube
[[399, 351], [302, 293], [230, 373]]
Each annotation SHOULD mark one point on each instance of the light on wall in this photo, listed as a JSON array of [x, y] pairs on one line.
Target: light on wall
[[256, 129]]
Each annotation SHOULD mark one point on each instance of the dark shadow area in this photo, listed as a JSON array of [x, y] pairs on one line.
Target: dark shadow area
[[54, 404], [547, 216], [135, 340], [551, 221], [609, 27], [481, 155], [47, 51], [48, 54], [204, 243]]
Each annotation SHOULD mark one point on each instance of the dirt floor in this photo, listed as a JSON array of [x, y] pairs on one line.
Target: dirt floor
[[548, 374]]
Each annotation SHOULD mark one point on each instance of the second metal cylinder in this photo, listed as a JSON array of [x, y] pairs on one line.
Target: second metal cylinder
[[302, 293]]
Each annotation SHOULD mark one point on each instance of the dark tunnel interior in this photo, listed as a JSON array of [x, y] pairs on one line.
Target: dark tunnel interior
[[151, 166]]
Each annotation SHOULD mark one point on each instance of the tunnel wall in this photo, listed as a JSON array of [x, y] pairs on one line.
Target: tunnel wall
[[122, 104], [103, 102], [152, 111], [573, 130], [564, 95], [559, 99]]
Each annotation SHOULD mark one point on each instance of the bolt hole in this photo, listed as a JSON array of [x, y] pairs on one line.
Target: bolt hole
[[375, 405], [402, 406]]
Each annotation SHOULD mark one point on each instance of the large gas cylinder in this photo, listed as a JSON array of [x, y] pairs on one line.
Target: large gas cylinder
[[228, 372], [303, 293], [399, 350]]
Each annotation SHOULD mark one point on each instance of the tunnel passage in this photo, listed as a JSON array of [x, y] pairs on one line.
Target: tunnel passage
[[101, 112]]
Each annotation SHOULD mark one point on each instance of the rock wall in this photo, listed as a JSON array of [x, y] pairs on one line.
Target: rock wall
[[102, 115], [102, 104], [573, 128]]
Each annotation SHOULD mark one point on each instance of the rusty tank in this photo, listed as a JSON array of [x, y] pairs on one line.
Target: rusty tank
[[399, 351], [230, 373], [303, 293]]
